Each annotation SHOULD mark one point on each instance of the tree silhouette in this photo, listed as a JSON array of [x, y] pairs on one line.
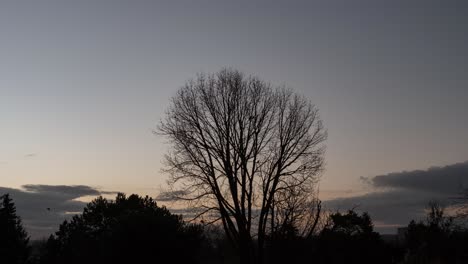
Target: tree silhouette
[[350, 224], [240, 149], [437, 239], [14, 241], [296, 214], [350, 238], [128, 230]]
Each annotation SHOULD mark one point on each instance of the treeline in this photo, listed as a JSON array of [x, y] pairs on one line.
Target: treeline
[[135, 229]]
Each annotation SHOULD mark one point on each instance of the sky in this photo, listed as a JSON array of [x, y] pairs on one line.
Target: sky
[[84, 83]]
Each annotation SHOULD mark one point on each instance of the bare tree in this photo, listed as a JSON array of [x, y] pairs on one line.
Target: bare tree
[[240, 150], [296, 213]]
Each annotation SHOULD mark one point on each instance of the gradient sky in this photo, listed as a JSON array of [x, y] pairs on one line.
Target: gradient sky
[[83, 83]]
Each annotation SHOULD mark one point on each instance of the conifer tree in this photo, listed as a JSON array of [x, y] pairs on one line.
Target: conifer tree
[[14, 241]]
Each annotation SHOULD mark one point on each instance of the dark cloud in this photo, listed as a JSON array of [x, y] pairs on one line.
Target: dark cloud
[[448, 179], [31, 155], [397, 198], [43, 207]]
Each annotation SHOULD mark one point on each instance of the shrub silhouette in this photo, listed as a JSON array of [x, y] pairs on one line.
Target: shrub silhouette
[[127, 230], [14, 241]]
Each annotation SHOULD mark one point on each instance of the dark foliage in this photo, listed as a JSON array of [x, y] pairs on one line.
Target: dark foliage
[[346, 238], [436, 240], [350, 238], [128, 230], [135, 230], [14, 242]]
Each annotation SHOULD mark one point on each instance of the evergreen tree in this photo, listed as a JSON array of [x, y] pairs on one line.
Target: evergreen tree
[[14, 241], [129, 229]]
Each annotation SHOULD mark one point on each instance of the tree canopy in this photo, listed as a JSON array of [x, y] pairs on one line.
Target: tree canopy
[[130, 229], [350, 238]]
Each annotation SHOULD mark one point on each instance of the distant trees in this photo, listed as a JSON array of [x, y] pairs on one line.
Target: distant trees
[[244, 153], [14, 241], [350, 238], [130, 229], [436, 240], [349, 224], [134, 229], [343, 238], [462, 202]]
